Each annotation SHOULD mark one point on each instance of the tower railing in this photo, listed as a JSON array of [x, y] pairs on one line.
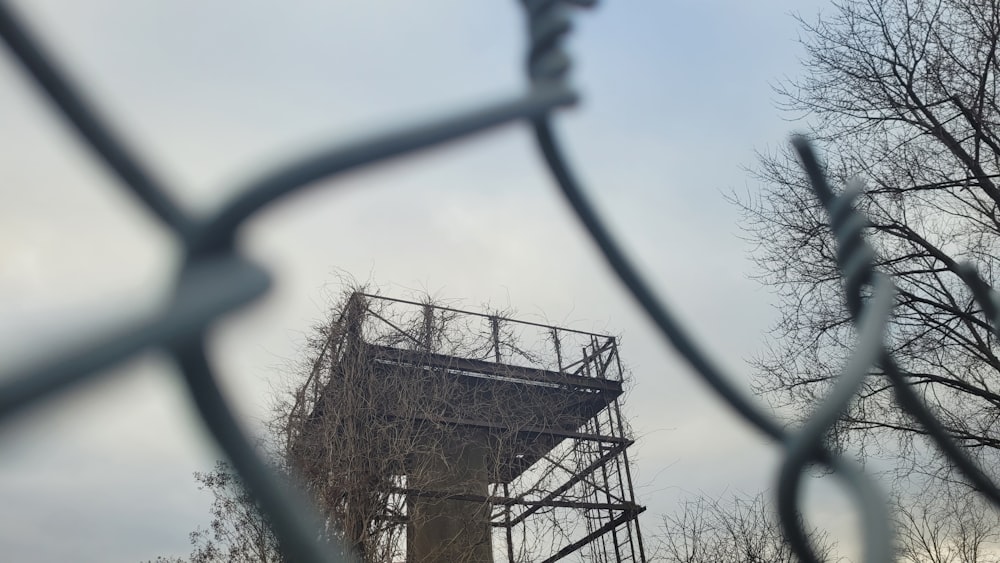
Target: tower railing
[[494, 338]]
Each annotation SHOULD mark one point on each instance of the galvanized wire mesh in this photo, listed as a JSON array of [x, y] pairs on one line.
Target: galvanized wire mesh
[[215, 279]]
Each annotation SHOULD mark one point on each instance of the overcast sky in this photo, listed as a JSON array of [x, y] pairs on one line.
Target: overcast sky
[[676, 99]]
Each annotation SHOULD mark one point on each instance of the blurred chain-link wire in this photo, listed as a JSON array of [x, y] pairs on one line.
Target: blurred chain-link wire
[[215, 280]]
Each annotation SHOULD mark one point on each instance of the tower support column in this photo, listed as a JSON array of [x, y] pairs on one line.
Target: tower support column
[[444, 530]]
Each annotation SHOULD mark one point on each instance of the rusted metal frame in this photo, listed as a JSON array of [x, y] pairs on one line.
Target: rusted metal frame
[[602, 364], [623, 536], [577, 477], [609, 496], [441, 370], [524, 429], [556, 464], [484, 315], [599, 517], [558, 348], [571, 548], [617, 355], [622, 492], [628, 470], [513, 501], [592, 482], [399, 330], [618, 495], [590, 492], [432, 360], [588, 358], [602, 368], [594, 361], [428, 327], [495, 333]]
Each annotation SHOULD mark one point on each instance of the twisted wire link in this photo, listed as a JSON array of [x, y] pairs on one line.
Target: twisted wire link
[[215, 279], [855, 258], [806, 446]]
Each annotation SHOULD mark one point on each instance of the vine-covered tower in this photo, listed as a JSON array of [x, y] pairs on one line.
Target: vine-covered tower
[[447, 435]]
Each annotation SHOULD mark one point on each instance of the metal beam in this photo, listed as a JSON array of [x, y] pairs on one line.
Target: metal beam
[[507, 371], [577, 477], [526, 429], [626, 507], [569, 549]]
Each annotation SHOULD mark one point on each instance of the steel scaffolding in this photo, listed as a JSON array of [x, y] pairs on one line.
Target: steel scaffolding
[[535, 429]]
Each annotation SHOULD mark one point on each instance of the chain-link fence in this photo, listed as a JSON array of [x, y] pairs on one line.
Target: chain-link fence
[[215, 279]]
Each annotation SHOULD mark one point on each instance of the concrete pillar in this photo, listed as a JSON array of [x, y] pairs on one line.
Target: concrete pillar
[[442, 530]]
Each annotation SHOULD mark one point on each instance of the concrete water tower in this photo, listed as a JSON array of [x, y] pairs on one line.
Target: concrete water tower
[[485, 438]]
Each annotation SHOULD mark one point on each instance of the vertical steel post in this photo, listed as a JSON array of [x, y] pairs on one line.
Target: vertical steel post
[[495, 328], [428, 335], [628, 470], [558, 347], [510, 532]]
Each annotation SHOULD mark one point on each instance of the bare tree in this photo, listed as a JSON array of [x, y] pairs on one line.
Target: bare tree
[[239, 532], [948, 525], [903, 95], [740, 530]]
